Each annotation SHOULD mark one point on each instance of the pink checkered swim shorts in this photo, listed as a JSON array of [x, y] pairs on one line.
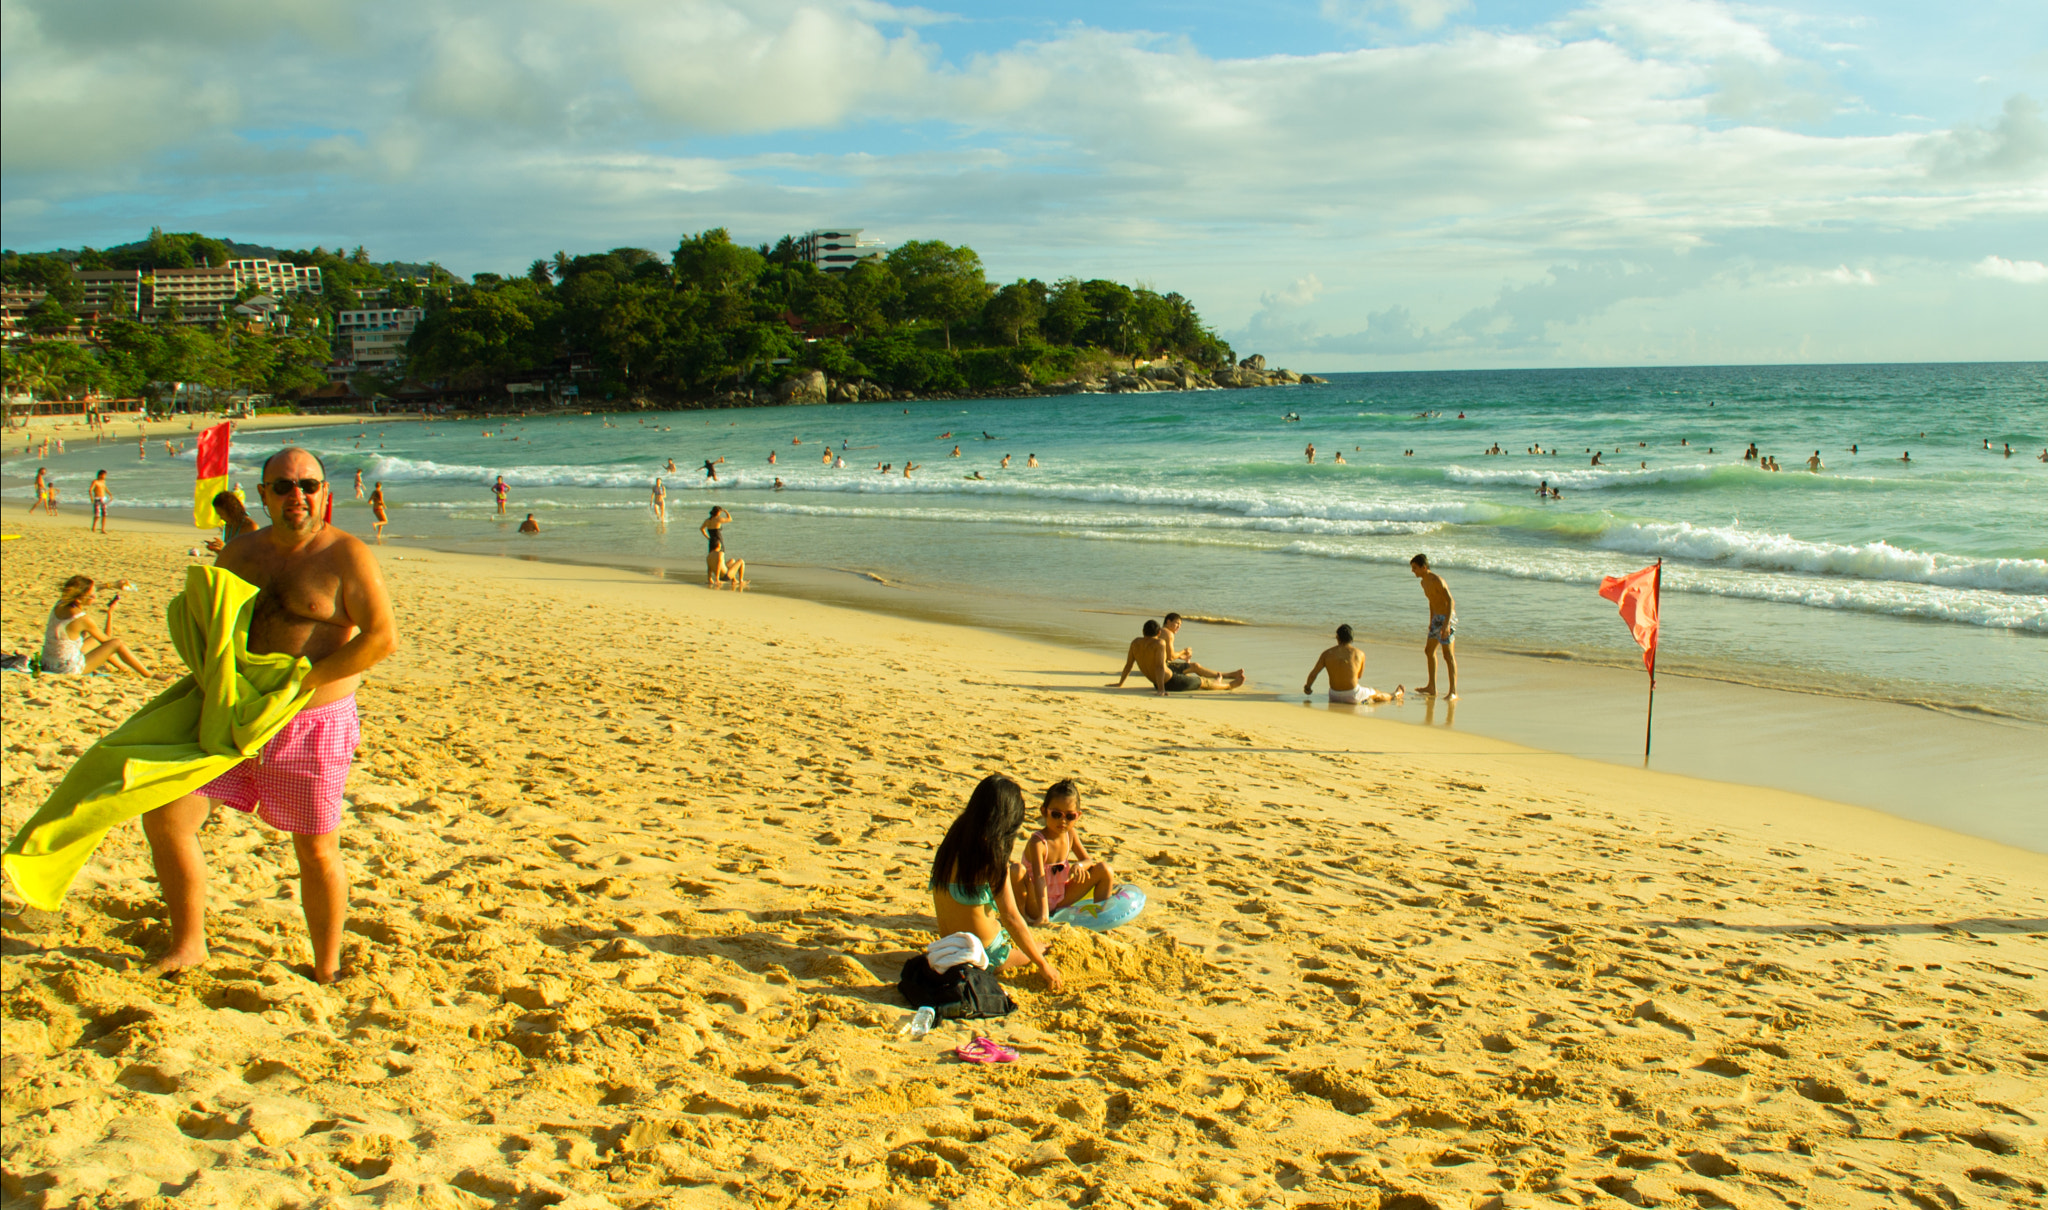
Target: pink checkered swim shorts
[[294, 784]]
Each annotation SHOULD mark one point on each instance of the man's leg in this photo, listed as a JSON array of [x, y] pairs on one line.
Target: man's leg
[[1451, 666], [323, 892], [1429, 653], [173, 833]]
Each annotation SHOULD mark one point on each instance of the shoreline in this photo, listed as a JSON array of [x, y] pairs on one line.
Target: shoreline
[[1901, 759], [634, 868]]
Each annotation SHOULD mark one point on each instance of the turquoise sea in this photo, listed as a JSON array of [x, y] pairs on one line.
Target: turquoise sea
[[1913, 582]]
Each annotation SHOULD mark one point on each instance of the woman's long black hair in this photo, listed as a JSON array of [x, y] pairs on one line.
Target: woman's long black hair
[[976, 850]]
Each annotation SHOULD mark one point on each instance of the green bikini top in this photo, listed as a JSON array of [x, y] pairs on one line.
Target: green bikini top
[[967, 896]]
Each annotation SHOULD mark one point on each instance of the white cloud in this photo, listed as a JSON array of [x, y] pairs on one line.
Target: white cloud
[[2014, 146], [1478, 190], [2026, 272], [1416, 14], [1299, 293]]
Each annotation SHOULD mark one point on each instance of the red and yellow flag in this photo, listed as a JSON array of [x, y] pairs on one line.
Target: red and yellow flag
[[1637, 594], [212, 474]]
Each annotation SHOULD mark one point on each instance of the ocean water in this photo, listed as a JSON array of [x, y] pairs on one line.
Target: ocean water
[[1920, 582]]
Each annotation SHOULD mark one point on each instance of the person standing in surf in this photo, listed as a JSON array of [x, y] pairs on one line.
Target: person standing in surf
[[1443, 627], [660, 501]]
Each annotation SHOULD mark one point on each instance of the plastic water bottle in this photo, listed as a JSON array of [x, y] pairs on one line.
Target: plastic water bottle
[[921, 1024]]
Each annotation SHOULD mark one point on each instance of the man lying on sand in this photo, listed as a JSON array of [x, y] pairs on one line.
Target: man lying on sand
[[1150, 652], [322, 597], [1346, 666]]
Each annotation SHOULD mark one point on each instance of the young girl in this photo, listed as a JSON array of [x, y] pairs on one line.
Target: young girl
[[64, 635], [1056, 872], [971, 878]]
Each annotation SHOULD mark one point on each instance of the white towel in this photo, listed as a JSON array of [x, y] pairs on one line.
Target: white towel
[[949, 952]]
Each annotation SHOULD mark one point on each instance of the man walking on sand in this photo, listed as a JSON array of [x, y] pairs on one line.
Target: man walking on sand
[[1443, 627], [100, 494], [320, 596]]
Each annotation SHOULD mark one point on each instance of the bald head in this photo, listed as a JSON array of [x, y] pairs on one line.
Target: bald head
[[318, 465]]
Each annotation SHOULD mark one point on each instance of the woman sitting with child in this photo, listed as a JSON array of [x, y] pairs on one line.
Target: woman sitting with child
[[972, 875]]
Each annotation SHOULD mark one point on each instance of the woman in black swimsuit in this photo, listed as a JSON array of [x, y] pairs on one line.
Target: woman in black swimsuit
[[716, 567]]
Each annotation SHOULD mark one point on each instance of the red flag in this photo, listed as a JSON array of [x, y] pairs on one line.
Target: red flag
[[1637, 593]]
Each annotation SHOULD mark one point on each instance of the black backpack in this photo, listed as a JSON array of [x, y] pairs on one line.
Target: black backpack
[[965, 991]]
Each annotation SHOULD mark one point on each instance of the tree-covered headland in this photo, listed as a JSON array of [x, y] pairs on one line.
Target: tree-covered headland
[[716, 321]]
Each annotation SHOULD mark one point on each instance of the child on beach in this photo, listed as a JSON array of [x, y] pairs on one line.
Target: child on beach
[[1056, 872], [971, 877]]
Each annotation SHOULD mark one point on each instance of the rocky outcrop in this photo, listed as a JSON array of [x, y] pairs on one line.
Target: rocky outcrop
[[804, 386], [1256, 361]]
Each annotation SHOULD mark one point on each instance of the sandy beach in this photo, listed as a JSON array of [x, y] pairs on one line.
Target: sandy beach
[[635, 866]]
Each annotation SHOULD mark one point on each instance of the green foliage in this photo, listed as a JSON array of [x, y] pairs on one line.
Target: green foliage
[[941, 284], [717, 314]]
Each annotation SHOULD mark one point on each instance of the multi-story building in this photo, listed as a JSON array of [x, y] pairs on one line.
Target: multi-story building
[[110, 291], [15, 304], [838, 251], [373, 339], [203, 296], [277, 277]]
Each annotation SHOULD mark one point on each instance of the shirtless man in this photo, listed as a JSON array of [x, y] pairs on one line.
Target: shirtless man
[[100, 495], [1443, 626], [1181, 659], [1346, 665], [322, 597], [1148, 652]]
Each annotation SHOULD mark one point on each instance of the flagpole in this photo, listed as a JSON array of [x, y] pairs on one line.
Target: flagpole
[[1649, 714]]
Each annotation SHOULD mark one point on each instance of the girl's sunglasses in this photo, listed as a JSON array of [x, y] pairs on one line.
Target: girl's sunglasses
[[1063, 815]]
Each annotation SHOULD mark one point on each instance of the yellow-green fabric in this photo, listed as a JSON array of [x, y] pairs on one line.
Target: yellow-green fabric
[[207, 722]]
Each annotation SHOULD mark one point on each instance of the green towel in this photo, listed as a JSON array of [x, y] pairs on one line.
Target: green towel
[[207, 722]]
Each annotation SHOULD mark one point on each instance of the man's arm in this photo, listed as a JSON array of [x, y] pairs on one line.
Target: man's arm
[[1309, 685], [368, 608], [1130, 658]]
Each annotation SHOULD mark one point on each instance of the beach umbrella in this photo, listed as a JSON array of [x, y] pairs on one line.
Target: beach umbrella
[[1638, 594]]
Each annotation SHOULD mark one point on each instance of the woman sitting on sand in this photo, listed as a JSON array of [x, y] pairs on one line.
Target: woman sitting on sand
[[970, 881], [717, 568], [234, 520], [64, 651]]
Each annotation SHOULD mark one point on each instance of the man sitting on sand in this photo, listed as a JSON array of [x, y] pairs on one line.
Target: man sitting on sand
[[1346, 666], [1149, 653], [1181, 659]]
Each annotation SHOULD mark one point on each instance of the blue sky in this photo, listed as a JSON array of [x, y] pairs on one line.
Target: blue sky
[[1339, 184]]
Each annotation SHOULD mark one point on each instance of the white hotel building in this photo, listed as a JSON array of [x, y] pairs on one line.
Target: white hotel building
[[373, 338], [838, 251]]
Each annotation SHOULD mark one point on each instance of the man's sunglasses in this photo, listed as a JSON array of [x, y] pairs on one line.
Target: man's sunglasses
[[283, 487]]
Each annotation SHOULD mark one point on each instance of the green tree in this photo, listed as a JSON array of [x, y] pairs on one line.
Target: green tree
[[1014, 310], [868, 293], [1068, 313], [941, 283], [711, 262]]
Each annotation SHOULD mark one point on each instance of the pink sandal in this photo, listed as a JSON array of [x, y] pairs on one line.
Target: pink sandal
[[985, 1050]]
